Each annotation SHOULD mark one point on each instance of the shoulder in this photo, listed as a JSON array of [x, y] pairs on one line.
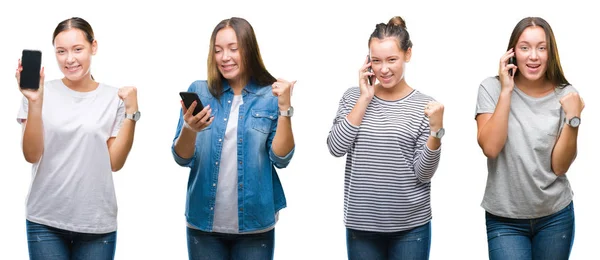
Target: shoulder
[[491, 83], [566, 90], [352, 93], [420, 97]]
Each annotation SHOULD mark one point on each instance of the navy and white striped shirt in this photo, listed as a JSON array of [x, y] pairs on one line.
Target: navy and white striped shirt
[[388, 164]]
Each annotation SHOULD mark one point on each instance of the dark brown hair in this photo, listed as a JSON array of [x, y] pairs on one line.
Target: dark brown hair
[[554, 72], [252, 63], [77, 23], [396, 27]]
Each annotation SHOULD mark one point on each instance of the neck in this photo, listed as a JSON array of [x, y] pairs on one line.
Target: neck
[[237, 86], [535, 88], [394, 93], [83, 85]]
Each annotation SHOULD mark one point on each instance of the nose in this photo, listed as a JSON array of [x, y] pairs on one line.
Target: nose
[[534, 54], [225, 56], [70, 57], [384, 68]]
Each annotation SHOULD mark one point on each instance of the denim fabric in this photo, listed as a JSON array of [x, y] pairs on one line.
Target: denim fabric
[[260, 193], [217, 246], [547, 238], [48, 243], [409, 244]]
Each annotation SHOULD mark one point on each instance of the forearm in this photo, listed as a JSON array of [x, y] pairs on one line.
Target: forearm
[[355, 116], [33, 134], [493, 134], [565, 150], [283, 142], [119, 149], [185, 144], [426, 163]]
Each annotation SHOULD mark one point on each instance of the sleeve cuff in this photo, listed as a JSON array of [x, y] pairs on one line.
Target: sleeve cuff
[[182, 161], [281, 161]]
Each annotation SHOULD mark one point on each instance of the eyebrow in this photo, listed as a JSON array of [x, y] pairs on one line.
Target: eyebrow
[[542, 42], [229, 44]]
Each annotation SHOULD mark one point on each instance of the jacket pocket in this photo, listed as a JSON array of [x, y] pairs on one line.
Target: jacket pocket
[[262, 120]]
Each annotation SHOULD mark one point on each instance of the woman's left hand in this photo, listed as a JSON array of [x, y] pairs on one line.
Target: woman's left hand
[[435, 111], [129, 97], [282, 89]]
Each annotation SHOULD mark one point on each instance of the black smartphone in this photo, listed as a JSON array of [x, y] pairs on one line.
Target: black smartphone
[[31, 61], [369, 70], [189, 98], [512, 60]]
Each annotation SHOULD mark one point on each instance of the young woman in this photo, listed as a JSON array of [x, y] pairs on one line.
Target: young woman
[[232, 147], [391, 134], [527, 123], [75, 135]]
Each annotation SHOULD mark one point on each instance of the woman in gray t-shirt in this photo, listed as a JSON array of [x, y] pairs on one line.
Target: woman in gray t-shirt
[[527, 124]]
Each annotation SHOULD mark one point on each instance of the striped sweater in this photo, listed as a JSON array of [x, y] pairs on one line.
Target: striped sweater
[[388, 164]]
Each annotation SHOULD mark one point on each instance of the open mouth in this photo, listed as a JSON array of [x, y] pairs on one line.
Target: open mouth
[[228, 68]]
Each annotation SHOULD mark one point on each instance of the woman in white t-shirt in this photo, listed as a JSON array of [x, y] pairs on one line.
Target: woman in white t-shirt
[[75, 135]]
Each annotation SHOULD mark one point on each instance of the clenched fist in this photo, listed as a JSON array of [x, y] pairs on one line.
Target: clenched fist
[[129, 97], [572, 104], [435, 112], [282, 89]]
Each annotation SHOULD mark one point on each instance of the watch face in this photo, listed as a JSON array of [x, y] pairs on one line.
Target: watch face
[[440, 133], [574, 122]]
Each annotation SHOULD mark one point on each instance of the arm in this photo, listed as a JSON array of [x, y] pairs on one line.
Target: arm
[[33, 132], [184, 144], [565, 149], [343, 132], [120, 146], [347, 122], [492, 129], [282, 142], [427, 155]]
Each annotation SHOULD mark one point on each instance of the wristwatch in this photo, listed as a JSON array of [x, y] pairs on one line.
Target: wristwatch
[[289, 112], [574, 121], [439, 134], [135, 116]]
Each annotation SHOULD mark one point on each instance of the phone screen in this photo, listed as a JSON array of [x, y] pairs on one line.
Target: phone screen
[[30, 75]]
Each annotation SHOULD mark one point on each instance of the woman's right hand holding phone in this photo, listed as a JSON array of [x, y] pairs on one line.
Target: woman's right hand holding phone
[[367, 91], [32, 95], [199, 121], [507, 81]]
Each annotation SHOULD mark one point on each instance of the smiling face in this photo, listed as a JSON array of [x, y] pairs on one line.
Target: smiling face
[[388, 61], [74, 53], [227, 55], [531, 51]]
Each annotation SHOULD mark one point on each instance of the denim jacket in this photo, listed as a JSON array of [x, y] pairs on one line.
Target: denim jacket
[[260, 194]]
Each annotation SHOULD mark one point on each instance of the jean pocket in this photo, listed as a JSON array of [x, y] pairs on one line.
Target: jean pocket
[[262, 120]]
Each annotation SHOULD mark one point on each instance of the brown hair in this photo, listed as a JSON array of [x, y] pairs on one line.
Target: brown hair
[[396, 27], [252, 63], [554, 72], [77, 23]]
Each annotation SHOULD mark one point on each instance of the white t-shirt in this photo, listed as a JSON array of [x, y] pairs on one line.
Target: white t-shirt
[[72, 184]]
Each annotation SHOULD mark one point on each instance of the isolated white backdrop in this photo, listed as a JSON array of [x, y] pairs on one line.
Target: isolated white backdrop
[[162, 48]]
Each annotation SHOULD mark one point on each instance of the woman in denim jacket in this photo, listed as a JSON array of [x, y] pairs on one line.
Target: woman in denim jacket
[[232, 147]]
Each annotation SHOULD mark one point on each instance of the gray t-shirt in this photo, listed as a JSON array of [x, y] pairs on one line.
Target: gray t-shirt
[[521, 183]]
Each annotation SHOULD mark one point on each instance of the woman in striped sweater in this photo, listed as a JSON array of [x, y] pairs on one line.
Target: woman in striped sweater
[[391, 134]]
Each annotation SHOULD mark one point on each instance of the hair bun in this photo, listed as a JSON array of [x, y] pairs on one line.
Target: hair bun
[[397, 21]]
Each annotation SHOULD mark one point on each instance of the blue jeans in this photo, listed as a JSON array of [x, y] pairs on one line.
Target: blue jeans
[[48, 243], [217, 246], [409, 244], [547, 238]]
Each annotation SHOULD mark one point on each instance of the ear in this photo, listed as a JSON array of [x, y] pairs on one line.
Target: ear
[[407, 54], [94, 47]]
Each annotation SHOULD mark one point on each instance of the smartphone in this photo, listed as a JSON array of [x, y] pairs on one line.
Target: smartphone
[[512, 60], [189, 98], [31, 61], [369, 70]]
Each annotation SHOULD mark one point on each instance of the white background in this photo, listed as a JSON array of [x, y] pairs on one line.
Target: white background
[[161, 49]]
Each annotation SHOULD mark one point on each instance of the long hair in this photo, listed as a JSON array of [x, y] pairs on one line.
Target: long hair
[[554, 72], [252, 63]]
